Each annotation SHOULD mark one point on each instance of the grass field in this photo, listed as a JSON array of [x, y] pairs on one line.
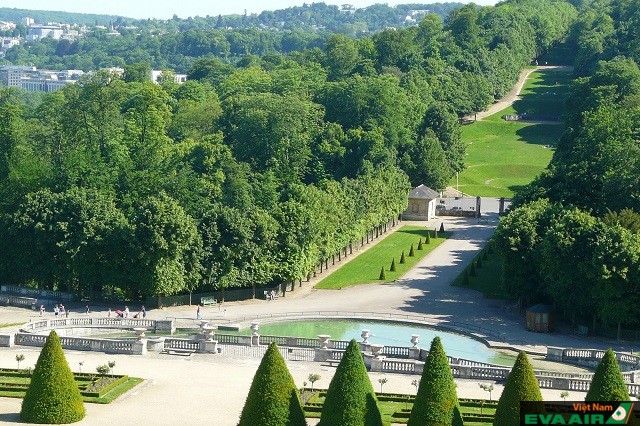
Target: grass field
[[488, 279], [504, 156], [366, 267]]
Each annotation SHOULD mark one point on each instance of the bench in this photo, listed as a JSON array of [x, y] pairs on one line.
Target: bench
[[582, 330], [207, 301], [180, 352]]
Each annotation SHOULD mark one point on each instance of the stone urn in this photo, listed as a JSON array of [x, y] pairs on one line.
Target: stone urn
[[324, 341], [376, 349], [207, 331], [139, 332], [255, 326], [365, 336], [203, 324], [415, 339]]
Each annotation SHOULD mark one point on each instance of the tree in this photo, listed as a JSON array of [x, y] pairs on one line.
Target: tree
[[139, 72], [607, 383], [486, 387], [436, 402], [19, 358], [53, 395], [382, 382], [273, 398], [350, 399], [313, 377], [522, 385]]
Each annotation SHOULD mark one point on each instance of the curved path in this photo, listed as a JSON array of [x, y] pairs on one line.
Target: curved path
[[514, 94]]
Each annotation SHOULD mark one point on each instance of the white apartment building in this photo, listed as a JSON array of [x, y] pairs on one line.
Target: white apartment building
[[34, 80]]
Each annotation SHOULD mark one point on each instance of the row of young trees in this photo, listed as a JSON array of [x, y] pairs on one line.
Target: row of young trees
[[574, 238], [247, 174], [350, 400]]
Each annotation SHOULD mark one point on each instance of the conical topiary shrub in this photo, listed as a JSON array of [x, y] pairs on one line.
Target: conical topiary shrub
[[393, 265], [607, 383], [435, 232], [273, 397], [53, 396], [442, 227], [350, 399], [428, 238], [522, 385], [420, 244], [402, 258], [436, 402], [382, 276], [472, 269], [465, 278], [411, 252], [479, 262]]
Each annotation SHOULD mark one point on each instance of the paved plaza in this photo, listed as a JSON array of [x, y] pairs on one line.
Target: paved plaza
[[212, 388]]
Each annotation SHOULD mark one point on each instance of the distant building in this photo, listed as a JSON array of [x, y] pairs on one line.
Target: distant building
[[28, 21], [179, 78], [38, 32], [7, 25], [7, 43], [34, 80], [422, 204]]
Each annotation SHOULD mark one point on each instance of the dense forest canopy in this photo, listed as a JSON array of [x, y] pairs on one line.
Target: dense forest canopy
[[574, 239], [250, 173]]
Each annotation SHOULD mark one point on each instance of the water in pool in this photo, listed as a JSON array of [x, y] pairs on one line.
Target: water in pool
[[391, 334]]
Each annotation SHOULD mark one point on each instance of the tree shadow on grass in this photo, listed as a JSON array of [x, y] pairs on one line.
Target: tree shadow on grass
[[541, 134]]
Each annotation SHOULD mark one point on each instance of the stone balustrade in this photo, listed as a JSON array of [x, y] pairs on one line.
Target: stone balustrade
[[156, 326], [36, 293], [20, 301], [131, 347], [591, 357]]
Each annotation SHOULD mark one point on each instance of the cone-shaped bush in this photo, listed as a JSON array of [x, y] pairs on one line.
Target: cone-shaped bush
[[607, 383], [350, 399], [428, 238], [402, 258], [465, 278], [393, 265], [472, 269], [411, 252], [441, 226], [53, 396], [435, 233], [382, 276], [479, 262], [436, 402], [273, 398], [420, 244], [522, 385]]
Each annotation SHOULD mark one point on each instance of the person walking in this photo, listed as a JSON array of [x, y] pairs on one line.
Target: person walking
[[198, 313], [109, 313], [86, 309], [144, 312], [56, 311], [41, 310], [126, 312]]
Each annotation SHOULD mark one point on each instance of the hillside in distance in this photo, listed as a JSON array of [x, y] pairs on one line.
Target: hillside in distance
[[315, 15]]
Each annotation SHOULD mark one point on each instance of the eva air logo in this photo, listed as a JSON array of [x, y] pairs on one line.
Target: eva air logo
[[621, 415]]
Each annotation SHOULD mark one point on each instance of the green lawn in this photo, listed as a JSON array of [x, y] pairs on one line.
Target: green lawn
[[504, 156], [366, 267], [488, 279]]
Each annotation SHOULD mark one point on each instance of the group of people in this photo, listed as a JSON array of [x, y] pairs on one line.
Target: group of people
[[125, 313], [60, 311]]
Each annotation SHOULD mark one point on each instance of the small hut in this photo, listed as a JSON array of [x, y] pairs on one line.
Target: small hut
[[540, 318], [422, 204]]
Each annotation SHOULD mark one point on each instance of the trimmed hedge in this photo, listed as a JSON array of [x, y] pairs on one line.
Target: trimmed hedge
[[53, 395], [350, 399], [436, 402], [273, 398], [522, 385], [607, 383]]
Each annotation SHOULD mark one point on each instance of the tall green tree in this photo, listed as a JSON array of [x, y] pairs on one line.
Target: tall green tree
[[273, 397], [607, 383], [350, 399], [53, 396], [436, 402], [521, 385]]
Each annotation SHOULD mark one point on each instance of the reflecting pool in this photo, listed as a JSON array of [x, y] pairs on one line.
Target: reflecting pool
[[391, 334]]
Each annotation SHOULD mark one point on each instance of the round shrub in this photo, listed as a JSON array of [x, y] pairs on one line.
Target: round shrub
[[522, 385], [273, 397], [350, 399], [53, 396], [436, 402], [607, 383]]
